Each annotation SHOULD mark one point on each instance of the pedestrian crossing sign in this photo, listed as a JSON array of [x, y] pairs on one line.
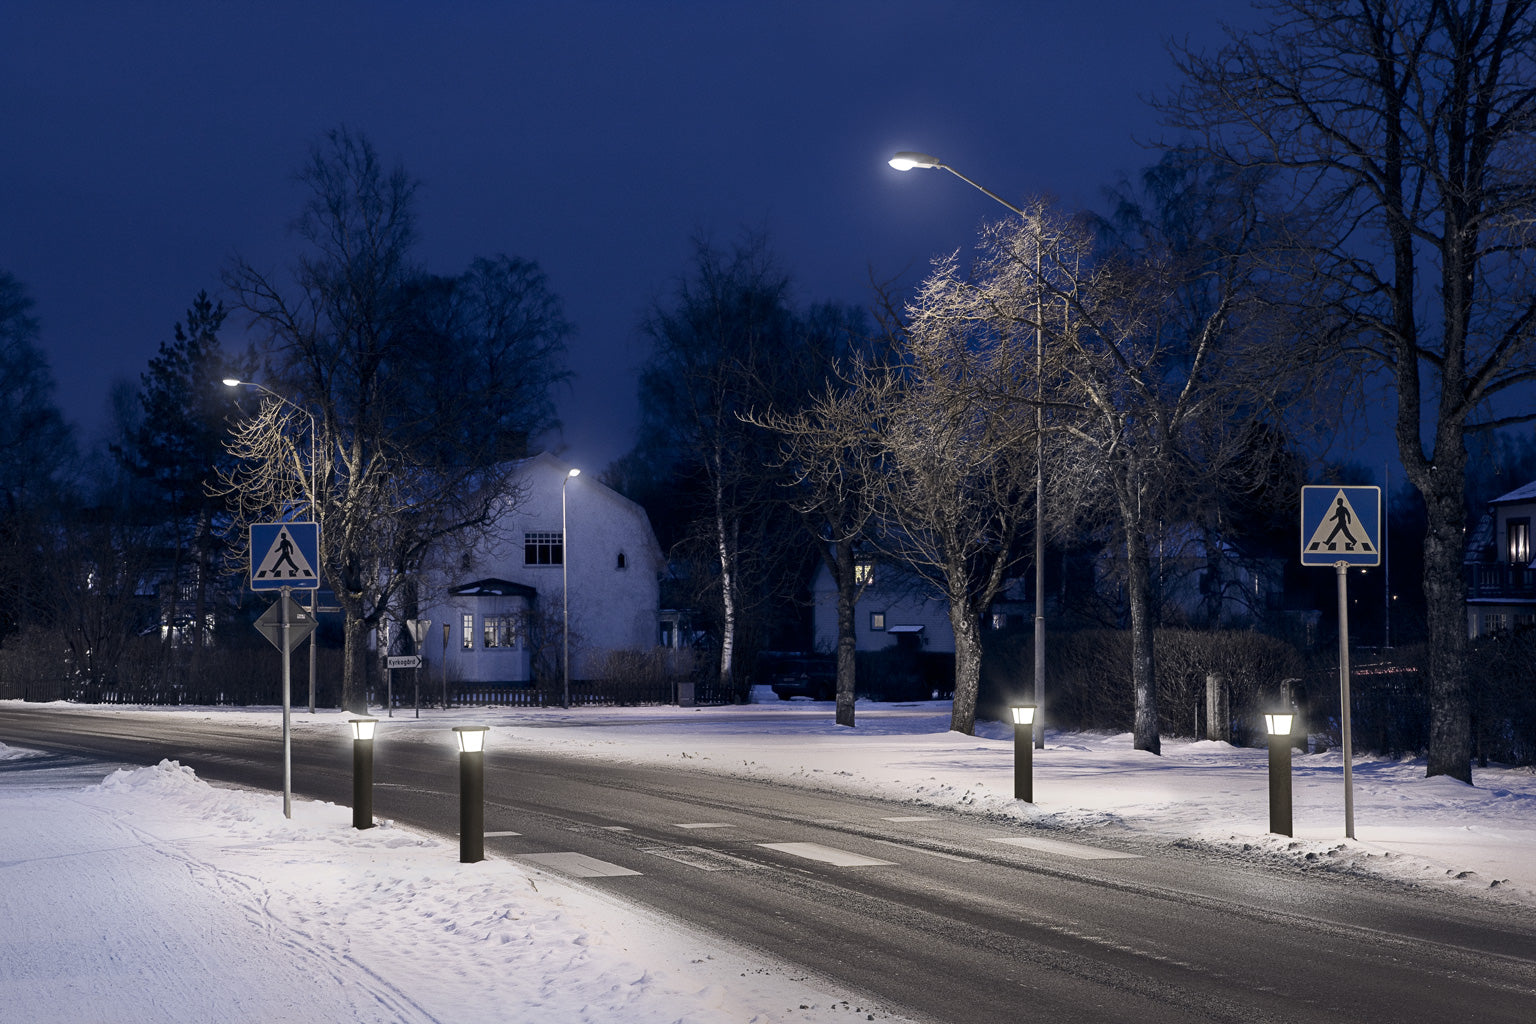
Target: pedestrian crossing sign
[[1340, 525], [285, 555]]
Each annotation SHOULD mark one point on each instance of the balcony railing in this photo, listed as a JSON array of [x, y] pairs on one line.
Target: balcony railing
[[1501, 580]]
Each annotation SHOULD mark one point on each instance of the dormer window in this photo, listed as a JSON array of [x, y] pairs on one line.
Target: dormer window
[[864, 572], [1518, 536]]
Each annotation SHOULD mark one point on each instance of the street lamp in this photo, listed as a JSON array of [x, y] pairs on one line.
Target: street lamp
[[906, 161], [1023, 753], [471, 792], [1278, 725], [362, 771], [565, 585], [236, 382]]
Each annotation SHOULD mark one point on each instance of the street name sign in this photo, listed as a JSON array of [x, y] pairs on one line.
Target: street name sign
[[1340, 525], [285, 555], [403, 661]]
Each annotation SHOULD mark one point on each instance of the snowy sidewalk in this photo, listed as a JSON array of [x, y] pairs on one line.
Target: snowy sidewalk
[[154, 898]]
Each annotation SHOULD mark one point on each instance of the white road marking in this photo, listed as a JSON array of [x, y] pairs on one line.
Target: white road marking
[[915, 818], [931, 853], [1056, 846], [500, 835], [826, 854], [578, 864], [612, 828], [706, 824]]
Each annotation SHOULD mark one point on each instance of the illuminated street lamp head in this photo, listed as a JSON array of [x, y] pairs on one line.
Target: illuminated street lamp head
[[471, 738], [573, 473], [906, 160], [362, 728], [1278, 723], [233, 382], [1023, 714]]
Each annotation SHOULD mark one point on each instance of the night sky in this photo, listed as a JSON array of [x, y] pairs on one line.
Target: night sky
[[144, 144]]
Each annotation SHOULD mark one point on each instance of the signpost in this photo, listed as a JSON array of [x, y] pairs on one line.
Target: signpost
[[285, 557], [418, 630], [1341, 527]]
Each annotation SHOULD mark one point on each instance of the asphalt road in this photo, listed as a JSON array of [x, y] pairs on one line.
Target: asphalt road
[[937, 915]]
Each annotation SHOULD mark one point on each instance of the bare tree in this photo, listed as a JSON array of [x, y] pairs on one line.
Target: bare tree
[[1404, 130], [422, 389]]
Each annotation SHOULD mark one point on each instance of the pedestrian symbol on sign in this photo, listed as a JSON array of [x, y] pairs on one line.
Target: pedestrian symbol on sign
[[1340, 524], [284, 555]]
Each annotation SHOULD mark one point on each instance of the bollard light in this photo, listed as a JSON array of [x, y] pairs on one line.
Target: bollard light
[[1278, 723], [471, 792], [362, 771], [1024, 752]]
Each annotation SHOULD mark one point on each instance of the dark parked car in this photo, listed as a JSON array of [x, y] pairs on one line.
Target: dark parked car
[[811, 677]]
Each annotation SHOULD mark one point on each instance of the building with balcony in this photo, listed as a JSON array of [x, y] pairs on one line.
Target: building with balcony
[[1501, 583]]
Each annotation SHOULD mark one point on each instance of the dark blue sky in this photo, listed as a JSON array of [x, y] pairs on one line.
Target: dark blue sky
[[143, 144]]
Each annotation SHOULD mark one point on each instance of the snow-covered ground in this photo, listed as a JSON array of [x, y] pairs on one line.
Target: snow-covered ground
[[152, 896]]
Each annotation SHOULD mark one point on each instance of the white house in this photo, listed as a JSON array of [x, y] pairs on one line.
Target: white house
[[1501, 583], [504, 604]]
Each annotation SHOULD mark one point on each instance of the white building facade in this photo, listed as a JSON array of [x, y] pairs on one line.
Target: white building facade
[[504, 606]]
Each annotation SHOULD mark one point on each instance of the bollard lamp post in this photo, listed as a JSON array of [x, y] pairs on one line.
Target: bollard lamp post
[[1024, 752], [471, 792], [1278, 725], [362, 771]]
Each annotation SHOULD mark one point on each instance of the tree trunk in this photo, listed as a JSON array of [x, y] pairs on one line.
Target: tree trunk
[[847, 637], [727, 598], [1143, 670], [967, 629], [354, 673], [1450, 724]]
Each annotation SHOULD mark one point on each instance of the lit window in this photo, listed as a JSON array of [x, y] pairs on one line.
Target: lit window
[[864, 573], [469, 631], [544, 548], [1519, 535], [877, 621], [501, 631]]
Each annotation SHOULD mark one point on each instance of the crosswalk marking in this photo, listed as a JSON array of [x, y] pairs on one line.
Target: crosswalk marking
[[706, 824], [701, 858], [917, 817], [501, 835], [826, 854], [577, 864], [1074, 850]]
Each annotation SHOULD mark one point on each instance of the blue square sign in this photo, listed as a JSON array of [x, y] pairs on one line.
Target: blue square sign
[[1340, 525], [285, 555]]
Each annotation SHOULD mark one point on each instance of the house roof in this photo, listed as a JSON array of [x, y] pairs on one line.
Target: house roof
[[1526, 493], [493, 587]]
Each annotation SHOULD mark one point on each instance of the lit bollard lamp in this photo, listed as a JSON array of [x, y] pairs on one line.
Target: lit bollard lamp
[[1278, 725], [471, 792], [362, 771], [1024, 752]]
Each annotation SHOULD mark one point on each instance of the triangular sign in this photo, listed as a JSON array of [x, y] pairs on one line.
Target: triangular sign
[[284, 561], [1340, 530]]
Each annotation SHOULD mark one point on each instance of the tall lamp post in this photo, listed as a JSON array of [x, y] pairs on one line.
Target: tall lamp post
[[565, 586], [314, 595], [906, 161]]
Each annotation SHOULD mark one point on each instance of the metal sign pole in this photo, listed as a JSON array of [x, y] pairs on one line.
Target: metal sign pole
[[287, 649], [1342, 568]]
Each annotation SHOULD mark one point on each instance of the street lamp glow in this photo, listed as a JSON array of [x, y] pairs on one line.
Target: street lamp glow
[[363, 728], [471, 738], [1023, 714], [232, 382], [906, 160], [1278, 723]]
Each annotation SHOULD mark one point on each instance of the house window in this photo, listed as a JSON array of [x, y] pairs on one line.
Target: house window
[[877, 621], [999, 620], [544, 548], [1519, 536], [501, 631], [469, 631], [864, 573], [623, 562]]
